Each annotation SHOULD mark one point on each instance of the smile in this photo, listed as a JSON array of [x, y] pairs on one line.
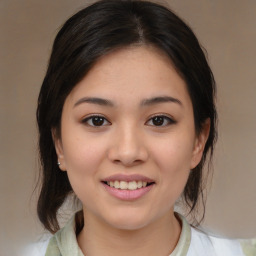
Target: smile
[[128, 187], [124, 185]]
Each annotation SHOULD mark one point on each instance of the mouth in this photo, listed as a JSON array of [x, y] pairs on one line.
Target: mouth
[[128, 185]]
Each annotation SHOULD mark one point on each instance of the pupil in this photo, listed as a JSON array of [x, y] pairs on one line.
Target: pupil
[[97, 121], [158, 120]]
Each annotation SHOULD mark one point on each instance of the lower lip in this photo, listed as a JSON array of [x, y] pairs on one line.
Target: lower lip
[[125, 194]]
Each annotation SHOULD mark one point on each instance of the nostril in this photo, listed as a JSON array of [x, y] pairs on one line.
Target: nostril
[[127, 161]]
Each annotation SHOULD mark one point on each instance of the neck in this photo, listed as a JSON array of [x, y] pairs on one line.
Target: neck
[[157, 238]]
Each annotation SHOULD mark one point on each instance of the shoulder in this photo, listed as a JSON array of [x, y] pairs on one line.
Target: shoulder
[[37, 249], [208, 245]]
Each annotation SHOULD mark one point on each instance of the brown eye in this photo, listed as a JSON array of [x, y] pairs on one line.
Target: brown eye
[[160, 121], [96, 121]]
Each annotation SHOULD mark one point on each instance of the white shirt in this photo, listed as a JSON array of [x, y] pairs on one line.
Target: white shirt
[[192, 242]]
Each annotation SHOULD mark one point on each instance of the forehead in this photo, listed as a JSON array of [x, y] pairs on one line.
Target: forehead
[[132, 73]]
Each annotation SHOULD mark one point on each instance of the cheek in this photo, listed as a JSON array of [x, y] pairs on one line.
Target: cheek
[[82, 151], [80, 157], [173, 159], [82, 160], [174, 154]]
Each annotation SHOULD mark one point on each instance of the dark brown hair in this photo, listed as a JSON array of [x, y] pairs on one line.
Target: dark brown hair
[[92, 33]]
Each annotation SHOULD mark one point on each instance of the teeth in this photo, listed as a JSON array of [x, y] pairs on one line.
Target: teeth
[[132, 185], [116, 184], [123, 185]]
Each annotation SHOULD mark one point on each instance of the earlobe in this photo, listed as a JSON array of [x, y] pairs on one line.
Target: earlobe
[[59, 150], [200, 144]]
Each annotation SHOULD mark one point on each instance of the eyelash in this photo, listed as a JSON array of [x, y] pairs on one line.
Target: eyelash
[[90, 118], [165, 119]]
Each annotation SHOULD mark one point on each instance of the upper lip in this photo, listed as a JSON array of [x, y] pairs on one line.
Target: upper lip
[[127, 178]]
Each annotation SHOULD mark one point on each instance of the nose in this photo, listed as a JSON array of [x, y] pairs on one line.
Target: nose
[[128, 147]]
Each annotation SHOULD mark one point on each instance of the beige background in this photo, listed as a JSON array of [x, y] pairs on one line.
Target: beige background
[[227, 29]]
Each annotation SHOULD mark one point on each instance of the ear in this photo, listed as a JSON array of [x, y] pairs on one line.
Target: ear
[[59, 149], [199, 145]]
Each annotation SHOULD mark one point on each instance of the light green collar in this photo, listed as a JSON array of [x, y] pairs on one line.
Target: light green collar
[[64, 242], [183, 244], [249, 247]]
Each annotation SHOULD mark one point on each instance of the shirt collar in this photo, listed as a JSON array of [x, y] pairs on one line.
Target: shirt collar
[[183, 244], [67, 241]]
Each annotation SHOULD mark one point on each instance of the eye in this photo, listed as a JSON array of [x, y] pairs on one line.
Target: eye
[[160, 120], [96, 121]]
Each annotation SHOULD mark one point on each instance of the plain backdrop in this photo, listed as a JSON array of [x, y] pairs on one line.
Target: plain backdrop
[[226, 28]]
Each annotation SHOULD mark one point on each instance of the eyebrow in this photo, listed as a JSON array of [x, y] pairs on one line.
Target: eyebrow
[[146, 102], [160, 99], [94, 100]]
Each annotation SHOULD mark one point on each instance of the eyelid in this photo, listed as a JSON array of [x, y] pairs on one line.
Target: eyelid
[[170, 119], [88, 117]]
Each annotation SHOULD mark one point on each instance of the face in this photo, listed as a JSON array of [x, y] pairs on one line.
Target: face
[[128, 140]]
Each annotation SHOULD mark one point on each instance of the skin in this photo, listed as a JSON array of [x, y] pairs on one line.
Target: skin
[[129, 142]]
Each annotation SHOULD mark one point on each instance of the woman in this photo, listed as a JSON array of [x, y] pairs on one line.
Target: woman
[[126, 119]]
